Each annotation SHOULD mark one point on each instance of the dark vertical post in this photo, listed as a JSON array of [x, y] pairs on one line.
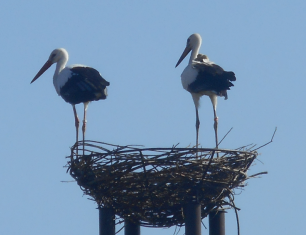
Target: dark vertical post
[[217, 222], [192, 213], [106, 221], [131, 228]]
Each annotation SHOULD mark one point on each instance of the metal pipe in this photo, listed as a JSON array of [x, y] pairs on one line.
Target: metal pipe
[[192, 214], [131, 228], [106, 221], [217, 222]]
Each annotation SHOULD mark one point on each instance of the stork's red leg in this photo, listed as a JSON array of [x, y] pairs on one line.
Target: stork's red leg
[[84, 126], [216, 126], [197, 129], [77, 122], [213, 99]]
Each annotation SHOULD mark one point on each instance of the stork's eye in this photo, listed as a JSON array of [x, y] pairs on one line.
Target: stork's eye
[[188, 40]]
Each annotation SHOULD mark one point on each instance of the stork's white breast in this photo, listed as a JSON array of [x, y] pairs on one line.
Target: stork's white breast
[[64, 76], [188, 76]]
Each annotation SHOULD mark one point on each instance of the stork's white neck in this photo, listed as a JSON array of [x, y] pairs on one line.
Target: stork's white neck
[[60, 65], [195, 51]]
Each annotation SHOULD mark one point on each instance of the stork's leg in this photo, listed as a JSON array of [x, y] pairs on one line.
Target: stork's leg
[[196, 99], [216, 126], [197, 127], [77, 122], [84, 125], [213, 99], [197, 131]]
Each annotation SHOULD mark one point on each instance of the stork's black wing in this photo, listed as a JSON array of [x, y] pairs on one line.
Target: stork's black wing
[[212, 77], [85, 84]]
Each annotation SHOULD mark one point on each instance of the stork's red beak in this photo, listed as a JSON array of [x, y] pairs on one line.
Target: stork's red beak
[[42, 70], [185, 53]]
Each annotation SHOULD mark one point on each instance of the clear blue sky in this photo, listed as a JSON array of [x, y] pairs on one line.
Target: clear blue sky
[[135, 45]]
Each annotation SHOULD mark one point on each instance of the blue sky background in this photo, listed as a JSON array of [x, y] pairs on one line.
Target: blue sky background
[[135, 46]]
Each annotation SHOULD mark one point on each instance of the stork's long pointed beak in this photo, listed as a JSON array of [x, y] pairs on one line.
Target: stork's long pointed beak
[[42, 70], [184, 54]]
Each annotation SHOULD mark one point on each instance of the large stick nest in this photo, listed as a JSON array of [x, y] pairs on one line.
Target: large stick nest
[[152, 185]]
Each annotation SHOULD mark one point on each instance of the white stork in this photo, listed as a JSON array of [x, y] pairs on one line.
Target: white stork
[[203, 77], [75, 84]]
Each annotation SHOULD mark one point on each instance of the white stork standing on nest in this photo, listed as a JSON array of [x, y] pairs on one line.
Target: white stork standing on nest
[[75, 84], [203, 77]]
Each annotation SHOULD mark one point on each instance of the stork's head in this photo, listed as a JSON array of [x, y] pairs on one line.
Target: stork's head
[[55, 56], [194, 41]]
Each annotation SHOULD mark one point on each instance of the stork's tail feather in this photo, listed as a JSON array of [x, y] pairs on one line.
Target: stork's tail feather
[[224, 94]]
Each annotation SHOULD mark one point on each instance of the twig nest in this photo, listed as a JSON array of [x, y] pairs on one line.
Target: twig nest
[[152, 185]]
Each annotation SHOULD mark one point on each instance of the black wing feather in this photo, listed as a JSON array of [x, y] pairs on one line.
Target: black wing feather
[[212, 77], [86, 84]]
